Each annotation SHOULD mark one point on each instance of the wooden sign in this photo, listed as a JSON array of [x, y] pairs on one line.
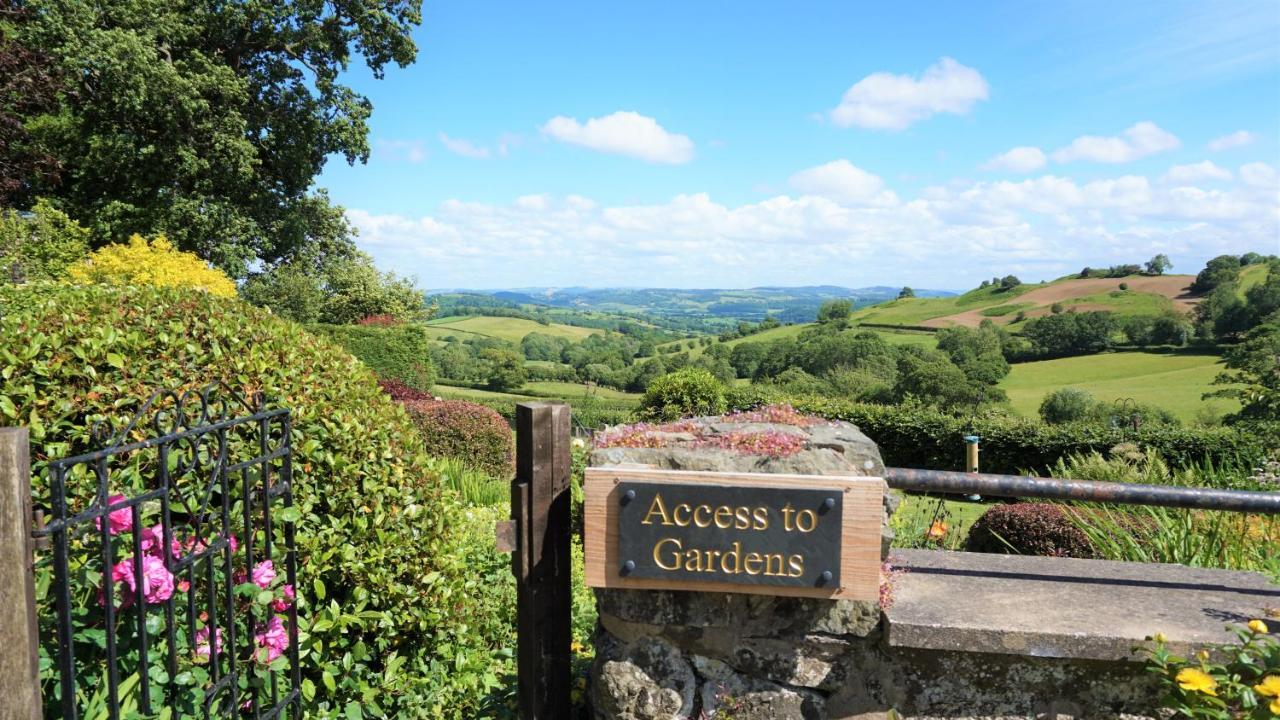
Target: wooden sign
[[796, 535]]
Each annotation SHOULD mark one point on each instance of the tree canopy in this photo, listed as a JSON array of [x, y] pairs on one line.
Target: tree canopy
[[207, 122]]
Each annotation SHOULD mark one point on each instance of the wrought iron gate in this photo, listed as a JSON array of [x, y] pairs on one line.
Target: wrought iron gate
[[171, 547]]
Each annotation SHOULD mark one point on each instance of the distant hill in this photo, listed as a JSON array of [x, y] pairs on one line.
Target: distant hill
[[721, 307], [1144, 295]]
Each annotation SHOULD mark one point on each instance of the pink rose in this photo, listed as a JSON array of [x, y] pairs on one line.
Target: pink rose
[[263, 573], [203, 646], [282, 603], [153, 541], [157, 581], [272, 639], [118, 521]]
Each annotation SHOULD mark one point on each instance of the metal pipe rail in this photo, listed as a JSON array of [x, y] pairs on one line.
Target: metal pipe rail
[[946, 481]]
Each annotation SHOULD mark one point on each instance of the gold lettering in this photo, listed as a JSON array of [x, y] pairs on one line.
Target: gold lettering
[[726, 513], [742, 518], [697, 516], [685, 507], [656, 507], [752, 558], [675, 556], [693, 561], [768, 564], [812, 520], [736, 552], [786, 517], [795, 565], [761, 517]]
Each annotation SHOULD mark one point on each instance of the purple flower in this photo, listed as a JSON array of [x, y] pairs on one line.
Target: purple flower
[[263, 573], [203, 646], [157, 581], [273, 640], [282, 603], [118, 521]]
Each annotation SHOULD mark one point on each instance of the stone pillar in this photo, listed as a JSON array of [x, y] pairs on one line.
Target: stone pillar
[[674, 655]]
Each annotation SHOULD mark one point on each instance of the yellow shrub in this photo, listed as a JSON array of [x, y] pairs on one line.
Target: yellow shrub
[[155, 263]]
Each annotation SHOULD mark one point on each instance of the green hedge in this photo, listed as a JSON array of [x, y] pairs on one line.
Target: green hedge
[[926, 438], [395, 615], [396, 352]]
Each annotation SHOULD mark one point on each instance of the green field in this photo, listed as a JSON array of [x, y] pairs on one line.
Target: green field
[[569, 389], [924, 339], [570, 392], [504, 328], [1173, 381]]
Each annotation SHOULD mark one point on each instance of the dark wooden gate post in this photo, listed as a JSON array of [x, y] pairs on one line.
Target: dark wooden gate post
[[540, 506], [19, 669]]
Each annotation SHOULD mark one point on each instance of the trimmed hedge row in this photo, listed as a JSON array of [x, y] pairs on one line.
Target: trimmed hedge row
[[394, 352], [471, 432], [927, 438]]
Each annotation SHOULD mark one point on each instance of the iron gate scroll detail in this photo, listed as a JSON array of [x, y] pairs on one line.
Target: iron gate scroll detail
[[172, 571]]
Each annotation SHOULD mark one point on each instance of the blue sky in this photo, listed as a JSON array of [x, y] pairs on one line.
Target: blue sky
[[718, 144]]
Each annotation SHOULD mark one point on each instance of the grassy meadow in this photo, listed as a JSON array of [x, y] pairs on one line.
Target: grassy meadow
[[1173, 381], [504, 328]]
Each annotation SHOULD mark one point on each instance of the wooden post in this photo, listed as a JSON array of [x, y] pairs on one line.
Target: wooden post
[[19, 639], [540, 505]]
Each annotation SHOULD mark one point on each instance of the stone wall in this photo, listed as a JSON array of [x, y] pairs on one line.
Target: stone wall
[[675, 655]]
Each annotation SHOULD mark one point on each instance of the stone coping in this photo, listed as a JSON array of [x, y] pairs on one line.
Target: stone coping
[[1065, 607]]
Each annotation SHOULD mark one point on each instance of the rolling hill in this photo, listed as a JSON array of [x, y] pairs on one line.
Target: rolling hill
[[504, 328]]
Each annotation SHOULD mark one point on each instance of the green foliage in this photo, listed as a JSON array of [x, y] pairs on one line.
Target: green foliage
[[1254, 368], [209, 124], [1028, 529], [835, 312], [1070, 333], [1158, 265], [475, 487], [398, 601], [40, 245], [1167, 328], [397, 352], [1240, 681], [505, 369], [906, 292], [1066, 405], [1009, 282], [477, 435], [1222, 270], [929, 438], [342, 289], [684, 393]]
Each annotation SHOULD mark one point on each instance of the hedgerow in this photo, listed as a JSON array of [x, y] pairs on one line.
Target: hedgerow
[[473, 433], [395, 352], [912, 436], [394, 612]]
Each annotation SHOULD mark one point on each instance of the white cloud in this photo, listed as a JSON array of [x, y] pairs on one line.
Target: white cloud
[[844, 182], [1239, 138], [465, 148], [1018, 160], [1196, 172], [623, 133], [884, 101], [414, 151], [946, 236], [1139, 141], [1258, 175]]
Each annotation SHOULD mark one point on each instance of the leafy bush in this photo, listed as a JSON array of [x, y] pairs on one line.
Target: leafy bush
[[684, 393], [42, 244], [1243, 681], [470, 432], [155, 263], [395, 352], [1066, 405], [913, 436], [1028, 529], [395, 628], [401, 392]]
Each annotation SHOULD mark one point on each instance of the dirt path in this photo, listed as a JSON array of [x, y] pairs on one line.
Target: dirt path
[[1174, 287]]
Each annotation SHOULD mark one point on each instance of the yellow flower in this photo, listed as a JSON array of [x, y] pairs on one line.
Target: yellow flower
[[1203, 655], [1160, 638], [1197, 681], [1269, 687], [1275, 707], [1259, 627]]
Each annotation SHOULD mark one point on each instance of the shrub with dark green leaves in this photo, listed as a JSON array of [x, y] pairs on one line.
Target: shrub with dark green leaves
[[473, 433], [1028, 529], [395, 352], [922, 437], [389, 605], [683, 393], [1066, 405]]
